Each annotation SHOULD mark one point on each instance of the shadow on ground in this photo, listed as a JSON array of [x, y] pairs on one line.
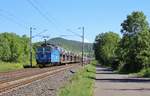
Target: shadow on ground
[[109, 71], [124, 80], [136, 89]]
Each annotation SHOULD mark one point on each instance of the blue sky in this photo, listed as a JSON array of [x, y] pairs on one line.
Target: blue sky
[[96, 15]]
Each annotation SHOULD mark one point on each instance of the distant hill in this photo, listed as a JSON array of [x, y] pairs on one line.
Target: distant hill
[[71, 45]]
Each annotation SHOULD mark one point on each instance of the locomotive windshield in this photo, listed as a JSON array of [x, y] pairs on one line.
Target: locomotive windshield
[[47, 49], [41, 49]]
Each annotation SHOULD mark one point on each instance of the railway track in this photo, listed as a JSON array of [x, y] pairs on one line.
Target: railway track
[[10, 76], [14, 83]]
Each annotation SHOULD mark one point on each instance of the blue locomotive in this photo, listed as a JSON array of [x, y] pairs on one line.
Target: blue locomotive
[[49, 54]]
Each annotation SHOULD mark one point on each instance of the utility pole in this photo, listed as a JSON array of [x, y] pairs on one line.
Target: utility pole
[[82, 45], [31, 46], [82, 37], [45, 42]]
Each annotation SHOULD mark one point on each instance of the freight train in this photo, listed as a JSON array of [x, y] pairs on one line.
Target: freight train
[[49, 54]]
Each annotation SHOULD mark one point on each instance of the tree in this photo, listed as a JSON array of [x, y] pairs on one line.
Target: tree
[[136, 22], [134, 43], [13, 48], [4, 49], [105, 46]]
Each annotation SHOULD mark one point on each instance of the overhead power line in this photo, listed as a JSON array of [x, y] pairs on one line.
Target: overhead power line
[[74, 32], [39, 11], [58, 25], [13, 21], [12, 18], [50, 19], [39, 34], [37, 7]]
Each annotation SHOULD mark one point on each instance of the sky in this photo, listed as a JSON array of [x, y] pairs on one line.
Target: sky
[[57, 16]]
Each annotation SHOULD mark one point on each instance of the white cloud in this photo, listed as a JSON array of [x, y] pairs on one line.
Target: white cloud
[[87, 41]]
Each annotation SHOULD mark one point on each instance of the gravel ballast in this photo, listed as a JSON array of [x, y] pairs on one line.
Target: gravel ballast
[[47, 86]]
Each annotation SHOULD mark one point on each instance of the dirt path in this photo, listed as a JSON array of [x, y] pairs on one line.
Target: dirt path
[[109, 84]]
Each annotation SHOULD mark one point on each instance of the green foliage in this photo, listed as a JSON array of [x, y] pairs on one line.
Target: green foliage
[[144, 72], [134, 49], [5, 52], [132, 53], [134, 23], [105, 46], [81, 83], [14, 48]]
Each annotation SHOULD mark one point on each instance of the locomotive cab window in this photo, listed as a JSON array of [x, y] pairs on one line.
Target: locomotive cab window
[[39, 49], [47, 49]]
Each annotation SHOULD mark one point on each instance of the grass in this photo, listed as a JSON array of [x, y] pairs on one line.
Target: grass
[[81, 84], [5, 66], [144, 73], [11, 66]]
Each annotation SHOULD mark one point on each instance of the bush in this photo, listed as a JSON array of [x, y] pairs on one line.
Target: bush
[[144, 72]]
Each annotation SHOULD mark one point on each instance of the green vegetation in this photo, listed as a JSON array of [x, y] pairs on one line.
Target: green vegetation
[[5, 67], [105, 46], [14, 51], [135, 43], [81, 83], [13, 48], [131, 53], [144, 73]]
